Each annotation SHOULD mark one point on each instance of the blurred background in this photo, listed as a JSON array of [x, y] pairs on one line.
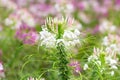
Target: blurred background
[[20, 24]]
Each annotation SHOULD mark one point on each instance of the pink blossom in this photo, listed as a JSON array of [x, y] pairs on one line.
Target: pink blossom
[[76, 66], [41, 11], [96, 29], [79, 4], [117, 5], [117, 2], [26, 34], [31, 38]]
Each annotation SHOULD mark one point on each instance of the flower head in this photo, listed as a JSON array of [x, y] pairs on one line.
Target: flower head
[[26, 34], [55, 30], [76, 66]]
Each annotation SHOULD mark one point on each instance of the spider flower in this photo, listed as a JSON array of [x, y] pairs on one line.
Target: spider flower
[[102, 61], [49, 36], [27, 34], [76, 66]]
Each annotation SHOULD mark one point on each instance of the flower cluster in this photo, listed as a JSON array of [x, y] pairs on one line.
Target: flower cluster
[[112, 43], [106, 26], [26, 34], [103, 61], [50, 33], [16, 18], [8, 4]]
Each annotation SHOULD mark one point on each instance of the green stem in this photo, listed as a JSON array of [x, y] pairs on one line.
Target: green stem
[[62, 56]]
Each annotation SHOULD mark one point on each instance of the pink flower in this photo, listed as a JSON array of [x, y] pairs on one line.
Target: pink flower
[[117, 5], [101, 9], [31, 38], [96, 29], [41, 10], [76, 66], [117, 2], [79, 4], [26, 34]]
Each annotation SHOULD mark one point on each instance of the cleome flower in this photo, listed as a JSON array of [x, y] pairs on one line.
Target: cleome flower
[[76, 66], [18, 17], [107, 26], [52, 30], [26, 34], [112, 43], [104, 61]]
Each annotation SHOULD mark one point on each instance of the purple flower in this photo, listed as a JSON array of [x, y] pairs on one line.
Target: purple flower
[[76, 66], [31, 38], [117, 2], [79, 4], [26, 34], [96, 29], [117, 5]]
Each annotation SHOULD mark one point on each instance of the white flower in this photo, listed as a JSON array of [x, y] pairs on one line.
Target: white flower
[[114, 67], [112, 73], [70, 7], [105, 41], [71, 38], [85, 67], [92, 57], [68, 35], [47, 39], [77, 32], [107, 26], [1, 67], [111, 61], [8, 22]]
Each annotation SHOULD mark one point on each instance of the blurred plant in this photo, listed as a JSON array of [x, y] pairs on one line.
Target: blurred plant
[[107, 27], [101, 64], [55, 34], [26, 34], [16, 18], [111, 42], [35, 78]]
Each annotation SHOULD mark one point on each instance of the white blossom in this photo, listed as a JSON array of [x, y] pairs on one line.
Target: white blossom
[[112, 73], [85, 67], [105, 41], [114, 67], [47, 39], [8, 21], [107, 26]]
